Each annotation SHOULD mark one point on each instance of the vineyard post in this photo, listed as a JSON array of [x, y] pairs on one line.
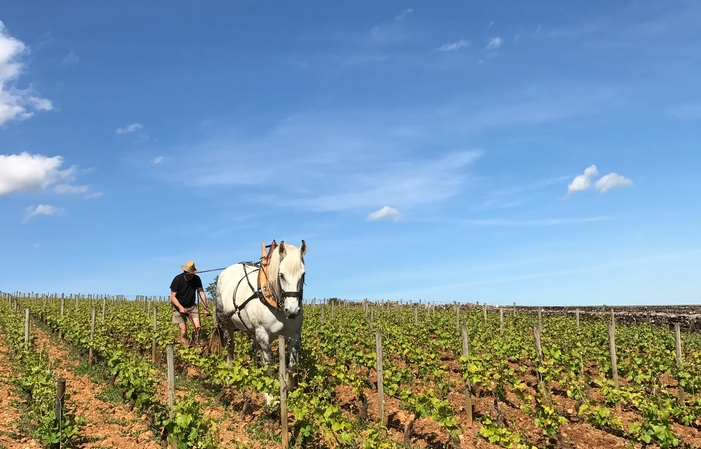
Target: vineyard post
[[283, 391], [539, 351], [76, 302], [612, 347], [104, 307], [155, 327], [576, 316], [92, 335], [323, 308], [380, 386], [678, 345], [58, 403], [416, 314], [501, 321], [457, 316], [514, 307], [484, 310], [540, 318], [468, 389], [26, 329], [372, 316], [536, 336], [333, 310], [171, 385], [148, 308], [171, 378]]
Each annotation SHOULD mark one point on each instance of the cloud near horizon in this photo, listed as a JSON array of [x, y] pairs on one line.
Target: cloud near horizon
[[386, 212], [15, 103]]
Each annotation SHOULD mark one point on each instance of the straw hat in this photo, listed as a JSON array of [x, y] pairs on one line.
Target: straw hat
[[189, 267]]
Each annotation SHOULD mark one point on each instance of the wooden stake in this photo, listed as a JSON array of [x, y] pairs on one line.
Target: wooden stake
[[283, 391], [468, 389], [380, 386], [678, 344], [60, 394], [92, 335], [612, 347], [155, 328], [26, 329]]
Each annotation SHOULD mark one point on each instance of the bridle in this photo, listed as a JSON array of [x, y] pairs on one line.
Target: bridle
[[299, 294]]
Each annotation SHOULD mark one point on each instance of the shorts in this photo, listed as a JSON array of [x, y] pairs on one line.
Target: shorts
[[178, 317]]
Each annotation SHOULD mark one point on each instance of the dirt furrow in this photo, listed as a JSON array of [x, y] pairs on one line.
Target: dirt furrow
[[107, 424], [9, 414]]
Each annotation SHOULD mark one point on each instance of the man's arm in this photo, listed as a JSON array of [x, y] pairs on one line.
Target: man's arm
[[176, 303], [203, 297]]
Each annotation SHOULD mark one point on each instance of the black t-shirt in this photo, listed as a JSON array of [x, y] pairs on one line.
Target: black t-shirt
[[186, 291]]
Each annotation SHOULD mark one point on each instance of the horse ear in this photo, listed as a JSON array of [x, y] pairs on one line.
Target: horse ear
[[303, 248], [281, 249]]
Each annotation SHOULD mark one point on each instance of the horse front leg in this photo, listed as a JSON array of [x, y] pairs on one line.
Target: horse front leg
[[262, 340], [293, 347]]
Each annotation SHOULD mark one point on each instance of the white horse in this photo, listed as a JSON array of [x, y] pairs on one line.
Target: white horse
[[239, 305]]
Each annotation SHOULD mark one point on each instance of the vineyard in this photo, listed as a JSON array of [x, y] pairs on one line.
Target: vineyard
[[371, 375]]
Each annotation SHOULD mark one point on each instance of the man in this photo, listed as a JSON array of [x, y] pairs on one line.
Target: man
[[183, 293]]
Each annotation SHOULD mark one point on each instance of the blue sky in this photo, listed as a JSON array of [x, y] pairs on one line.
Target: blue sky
[[536, 152]]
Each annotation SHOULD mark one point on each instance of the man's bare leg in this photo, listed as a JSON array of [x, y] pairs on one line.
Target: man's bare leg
[[183, 334]]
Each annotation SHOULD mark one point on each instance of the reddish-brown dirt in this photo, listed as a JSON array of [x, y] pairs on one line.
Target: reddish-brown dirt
[[106, 424], [10, 415]]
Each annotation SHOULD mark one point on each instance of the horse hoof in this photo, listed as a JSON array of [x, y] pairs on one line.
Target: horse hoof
[[269, 402]]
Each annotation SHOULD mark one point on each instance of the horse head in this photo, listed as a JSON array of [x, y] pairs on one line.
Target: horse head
[[287, 277]]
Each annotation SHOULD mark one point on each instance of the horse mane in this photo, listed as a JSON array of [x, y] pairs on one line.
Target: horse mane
[[293, 269]]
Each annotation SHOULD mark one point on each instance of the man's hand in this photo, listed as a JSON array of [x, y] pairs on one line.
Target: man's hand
[[183, 310], [206, 312]]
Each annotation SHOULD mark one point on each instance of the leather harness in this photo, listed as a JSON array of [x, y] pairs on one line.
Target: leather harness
[[264, 292]]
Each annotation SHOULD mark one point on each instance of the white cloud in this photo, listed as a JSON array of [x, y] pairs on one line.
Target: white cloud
[[604, 184], [42, 209], [67, 189], [386, 212], [612, 180], [403, 14], [70, 59], [129, 129], [582, 182], [92, 196], [494, 43], [462, 43], [15, 103], [27, 172], [158, 160]]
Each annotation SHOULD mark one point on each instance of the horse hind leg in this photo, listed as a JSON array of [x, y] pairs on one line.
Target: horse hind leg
[[230, 348]]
